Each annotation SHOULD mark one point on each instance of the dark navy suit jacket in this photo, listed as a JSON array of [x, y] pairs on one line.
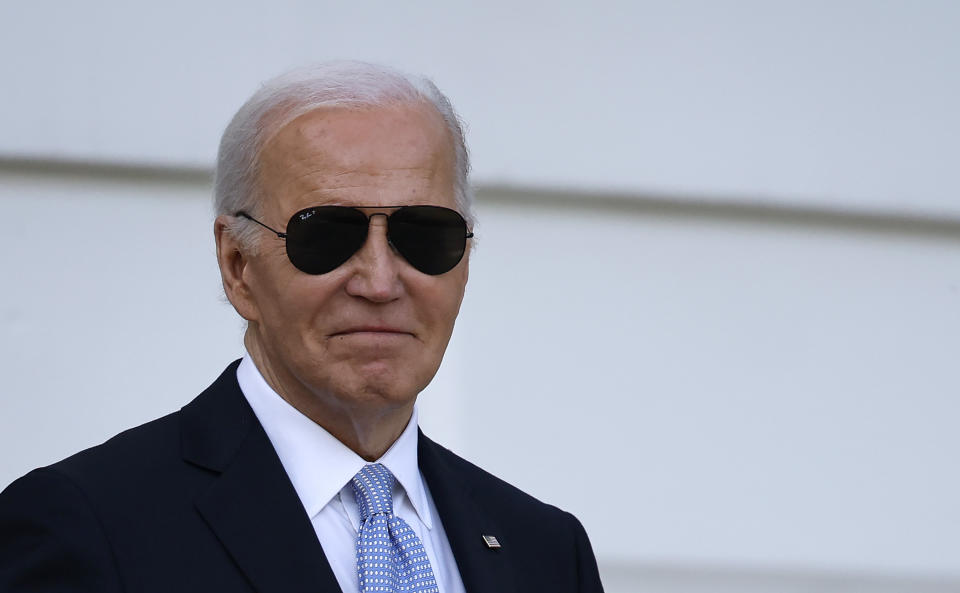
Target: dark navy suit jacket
[[199, 501]]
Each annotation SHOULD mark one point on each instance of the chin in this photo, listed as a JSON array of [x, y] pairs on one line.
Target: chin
[[383, 382]]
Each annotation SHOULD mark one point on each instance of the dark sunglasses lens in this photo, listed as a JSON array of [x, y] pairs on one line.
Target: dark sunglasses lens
[[431, 238], [322, 238]]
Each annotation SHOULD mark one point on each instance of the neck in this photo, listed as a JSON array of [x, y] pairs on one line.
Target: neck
[[366, 429]]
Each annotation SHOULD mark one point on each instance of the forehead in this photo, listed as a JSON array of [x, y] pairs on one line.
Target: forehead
[[364, 156]]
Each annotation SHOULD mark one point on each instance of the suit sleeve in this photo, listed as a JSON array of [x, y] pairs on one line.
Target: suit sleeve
[[51, 540], [588, 575]]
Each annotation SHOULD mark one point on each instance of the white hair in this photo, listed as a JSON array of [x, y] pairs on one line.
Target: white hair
[[292, 94]]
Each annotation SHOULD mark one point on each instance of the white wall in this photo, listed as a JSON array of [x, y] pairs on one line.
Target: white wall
[[841, 103], [771, 392]]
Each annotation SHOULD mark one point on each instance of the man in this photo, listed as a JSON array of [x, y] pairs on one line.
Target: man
[[343, 238]]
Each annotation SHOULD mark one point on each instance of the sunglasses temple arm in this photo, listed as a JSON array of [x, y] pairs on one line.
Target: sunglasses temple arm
[[248, 217]]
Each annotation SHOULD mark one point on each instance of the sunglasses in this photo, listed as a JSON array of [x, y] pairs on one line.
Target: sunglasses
[[320, 239]]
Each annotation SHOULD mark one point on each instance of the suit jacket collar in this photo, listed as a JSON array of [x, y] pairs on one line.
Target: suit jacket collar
[[255, 512], [251, 506], [466, 519]]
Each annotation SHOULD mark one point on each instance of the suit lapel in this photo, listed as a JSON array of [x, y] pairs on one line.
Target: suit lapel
[[256, 514], [465, 520], [251, 506]]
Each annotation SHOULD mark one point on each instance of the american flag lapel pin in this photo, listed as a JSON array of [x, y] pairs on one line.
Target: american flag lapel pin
[[491, 542]]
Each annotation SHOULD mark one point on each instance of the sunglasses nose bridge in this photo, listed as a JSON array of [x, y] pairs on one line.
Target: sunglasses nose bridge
[[377, 227], [376, 272], [376, 223]]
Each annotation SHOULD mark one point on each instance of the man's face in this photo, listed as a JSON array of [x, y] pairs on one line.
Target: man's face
[[371, 333]]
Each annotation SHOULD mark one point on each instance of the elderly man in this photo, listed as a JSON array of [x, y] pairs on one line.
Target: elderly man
[[343, 236]]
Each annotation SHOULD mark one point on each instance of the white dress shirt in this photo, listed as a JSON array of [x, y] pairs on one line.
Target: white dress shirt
[[321, 469]]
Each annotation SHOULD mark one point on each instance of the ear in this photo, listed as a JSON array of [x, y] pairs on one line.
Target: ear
[[233, 262]]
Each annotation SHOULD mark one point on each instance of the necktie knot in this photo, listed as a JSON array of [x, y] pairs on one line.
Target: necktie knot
[[373, 489]]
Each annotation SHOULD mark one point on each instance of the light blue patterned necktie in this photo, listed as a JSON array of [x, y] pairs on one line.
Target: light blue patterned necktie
[[390, 556]]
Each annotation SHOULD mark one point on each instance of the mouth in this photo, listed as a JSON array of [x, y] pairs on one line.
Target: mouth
[[372, 330]]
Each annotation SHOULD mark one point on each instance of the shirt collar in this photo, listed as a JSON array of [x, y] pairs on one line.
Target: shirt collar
[[318, 464]]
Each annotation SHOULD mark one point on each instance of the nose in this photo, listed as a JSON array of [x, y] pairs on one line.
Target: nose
[[376, 269]]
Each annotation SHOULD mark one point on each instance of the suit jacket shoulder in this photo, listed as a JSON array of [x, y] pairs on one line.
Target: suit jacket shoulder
[[122, 516]]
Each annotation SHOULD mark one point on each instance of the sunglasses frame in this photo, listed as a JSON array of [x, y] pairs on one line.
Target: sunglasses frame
[[360, 209]]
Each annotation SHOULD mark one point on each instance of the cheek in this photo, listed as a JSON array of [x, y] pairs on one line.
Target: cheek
[[293, 305], [445, 299]]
